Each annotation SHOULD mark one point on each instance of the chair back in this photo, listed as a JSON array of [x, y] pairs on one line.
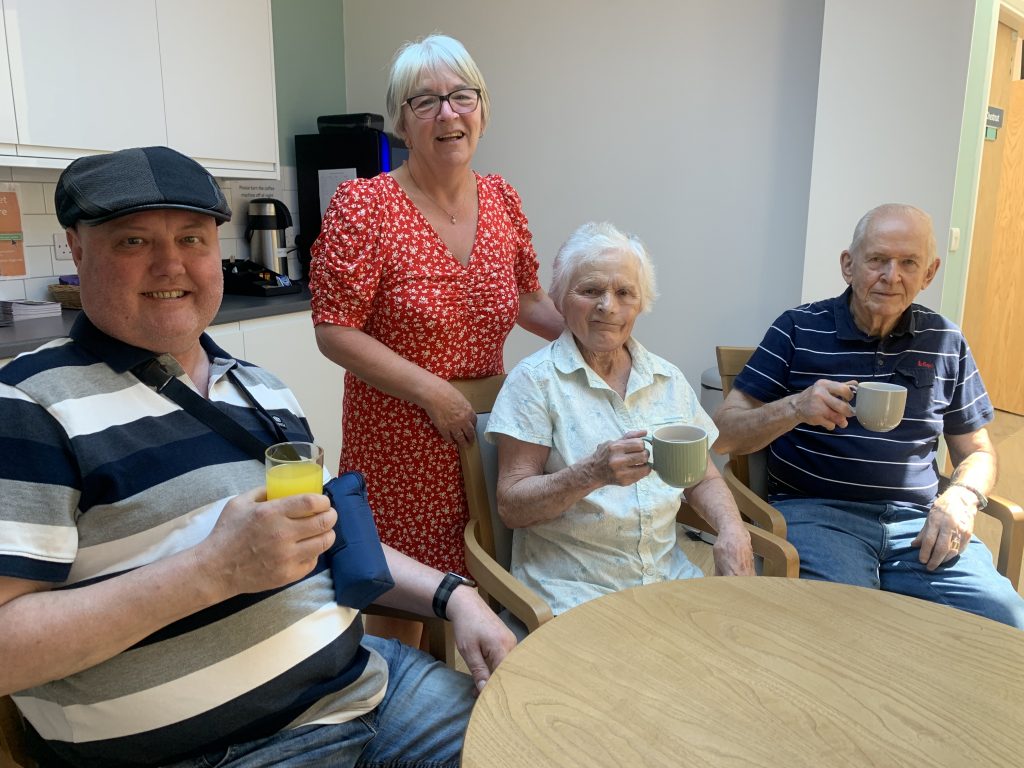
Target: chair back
[[13, 751], [480, 470], [500, 542], [750, 469], [488, 540]]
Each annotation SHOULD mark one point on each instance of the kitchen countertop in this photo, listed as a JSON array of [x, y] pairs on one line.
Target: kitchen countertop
[[28, 334]]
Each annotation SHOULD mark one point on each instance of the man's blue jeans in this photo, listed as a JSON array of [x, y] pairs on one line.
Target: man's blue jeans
[[868, 545], [420, 724]]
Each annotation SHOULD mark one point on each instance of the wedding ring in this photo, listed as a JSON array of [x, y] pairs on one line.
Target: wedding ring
[[954, 541]]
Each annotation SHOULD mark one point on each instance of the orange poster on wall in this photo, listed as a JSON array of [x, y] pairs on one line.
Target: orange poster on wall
[[12, 241]]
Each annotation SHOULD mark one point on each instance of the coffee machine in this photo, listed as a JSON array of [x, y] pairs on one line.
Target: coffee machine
[[345, 147], [269, 218], [267, 272]]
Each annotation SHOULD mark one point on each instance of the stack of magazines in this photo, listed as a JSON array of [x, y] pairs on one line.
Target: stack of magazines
[[25, 309]]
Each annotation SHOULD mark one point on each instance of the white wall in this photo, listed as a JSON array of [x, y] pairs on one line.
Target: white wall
[[890, 106], [689, 122]]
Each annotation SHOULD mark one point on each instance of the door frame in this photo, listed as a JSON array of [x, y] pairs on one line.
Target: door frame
[[988, 15]]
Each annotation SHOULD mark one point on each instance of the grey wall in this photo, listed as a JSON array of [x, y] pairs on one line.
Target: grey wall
[[890, 107], [309, 67], [689, 122]]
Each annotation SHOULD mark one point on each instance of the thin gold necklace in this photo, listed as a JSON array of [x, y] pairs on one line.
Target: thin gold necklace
[[449, 214]]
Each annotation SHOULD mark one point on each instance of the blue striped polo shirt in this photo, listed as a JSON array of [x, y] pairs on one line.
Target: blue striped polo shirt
[[101, 475], [925, 353]]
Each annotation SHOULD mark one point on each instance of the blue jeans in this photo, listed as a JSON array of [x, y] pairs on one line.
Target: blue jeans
[[419, 724], [868, 545]]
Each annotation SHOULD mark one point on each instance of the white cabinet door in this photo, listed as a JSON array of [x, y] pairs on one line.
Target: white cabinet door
[[85, 75], [285, 346], [8, 126], [218, 65]]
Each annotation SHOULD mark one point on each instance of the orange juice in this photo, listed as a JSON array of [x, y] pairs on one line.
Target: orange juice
[[290, 479]]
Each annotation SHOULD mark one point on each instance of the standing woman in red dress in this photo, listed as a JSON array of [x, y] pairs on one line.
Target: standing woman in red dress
[[417, 278]]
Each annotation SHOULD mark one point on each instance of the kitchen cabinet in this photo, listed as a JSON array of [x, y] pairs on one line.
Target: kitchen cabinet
[[285, 346], [8, 126], [85, 76], [97, 75], [219, 82]]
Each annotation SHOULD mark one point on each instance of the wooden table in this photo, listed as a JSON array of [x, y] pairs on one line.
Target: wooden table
[[756, 672]]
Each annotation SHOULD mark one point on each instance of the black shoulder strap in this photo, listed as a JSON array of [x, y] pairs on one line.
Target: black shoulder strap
[[155, 375]]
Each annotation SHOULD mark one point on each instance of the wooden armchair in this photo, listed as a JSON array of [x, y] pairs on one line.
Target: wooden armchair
[[13, 749], [489, 542], [747, 478]]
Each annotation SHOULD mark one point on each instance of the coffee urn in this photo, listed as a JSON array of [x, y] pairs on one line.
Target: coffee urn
[[265, 231]]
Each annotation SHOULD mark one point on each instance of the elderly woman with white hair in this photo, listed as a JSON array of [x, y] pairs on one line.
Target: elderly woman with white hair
[[573, 480], [417, 278]]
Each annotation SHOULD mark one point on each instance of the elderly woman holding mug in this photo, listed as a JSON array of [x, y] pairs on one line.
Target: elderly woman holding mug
[[417, 278], [589, 515]]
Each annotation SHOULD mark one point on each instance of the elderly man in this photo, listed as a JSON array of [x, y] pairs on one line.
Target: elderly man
[[861, 507], [155, 607]]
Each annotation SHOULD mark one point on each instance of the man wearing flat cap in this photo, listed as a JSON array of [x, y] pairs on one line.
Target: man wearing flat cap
[[155, 608]]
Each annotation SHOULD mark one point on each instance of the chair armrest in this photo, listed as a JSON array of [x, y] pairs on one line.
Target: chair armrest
[[13, 750], [440, 640], [496, 582], [779, 556], [1011, 543], [753, 507]]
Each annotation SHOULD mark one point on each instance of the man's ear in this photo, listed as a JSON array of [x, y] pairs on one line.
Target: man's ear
[[933, 270], [846, 265], [75, 244]]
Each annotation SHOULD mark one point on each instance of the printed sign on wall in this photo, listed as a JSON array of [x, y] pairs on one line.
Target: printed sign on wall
[[12, 246]]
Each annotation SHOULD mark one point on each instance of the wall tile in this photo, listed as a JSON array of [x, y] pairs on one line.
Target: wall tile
[[30, 197], [60, 267], [35, 174], [229, 248], [10, 290], [289, 178], [38, 260], [38, 288], [48, 192], [40, 229]]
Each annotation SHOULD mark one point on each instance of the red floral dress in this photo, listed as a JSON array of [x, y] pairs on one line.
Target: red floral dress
[[379, 266]]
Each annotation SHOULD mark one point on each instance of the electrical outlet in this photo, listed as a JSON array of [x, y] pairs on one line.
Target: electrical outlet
[[61, 249]]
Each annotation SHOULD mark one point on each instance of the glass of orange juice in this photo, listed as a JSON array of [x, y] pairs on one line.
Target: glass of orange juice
[[294, 468]]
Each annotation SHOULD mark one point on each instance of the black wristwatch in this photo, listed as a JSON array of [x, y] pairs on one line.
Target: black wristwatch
[[448, 584]]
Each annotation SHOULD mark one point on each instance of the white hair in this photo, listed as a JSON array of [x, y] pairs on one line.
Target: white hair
[[589, 243], [860, 232], [432, 53]]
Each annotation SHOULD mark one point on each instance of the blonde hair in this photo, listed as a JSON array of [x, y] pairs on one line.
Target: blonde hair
[[432, 53]]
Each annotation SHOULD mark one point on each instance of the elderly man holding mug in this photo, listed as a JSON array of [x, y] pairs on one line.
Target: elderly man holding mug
[[864, 507]]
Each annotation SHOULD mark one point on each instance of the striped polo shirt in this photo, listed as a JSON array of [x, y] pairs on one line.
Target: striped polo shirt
[[925, 353], [101, 475]]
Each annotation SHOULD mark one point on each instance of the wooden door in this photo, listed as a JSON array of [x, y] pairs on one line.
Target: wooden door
[[994, 305]]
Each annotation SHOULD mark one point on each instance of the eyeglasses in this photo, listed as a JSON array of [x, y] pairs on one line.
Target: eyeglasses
[[428, 105]]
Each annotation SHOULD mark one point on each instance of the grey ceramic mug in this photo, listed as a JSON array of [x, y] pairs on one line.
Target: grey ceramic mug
[[880, 405], [679, 454]]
